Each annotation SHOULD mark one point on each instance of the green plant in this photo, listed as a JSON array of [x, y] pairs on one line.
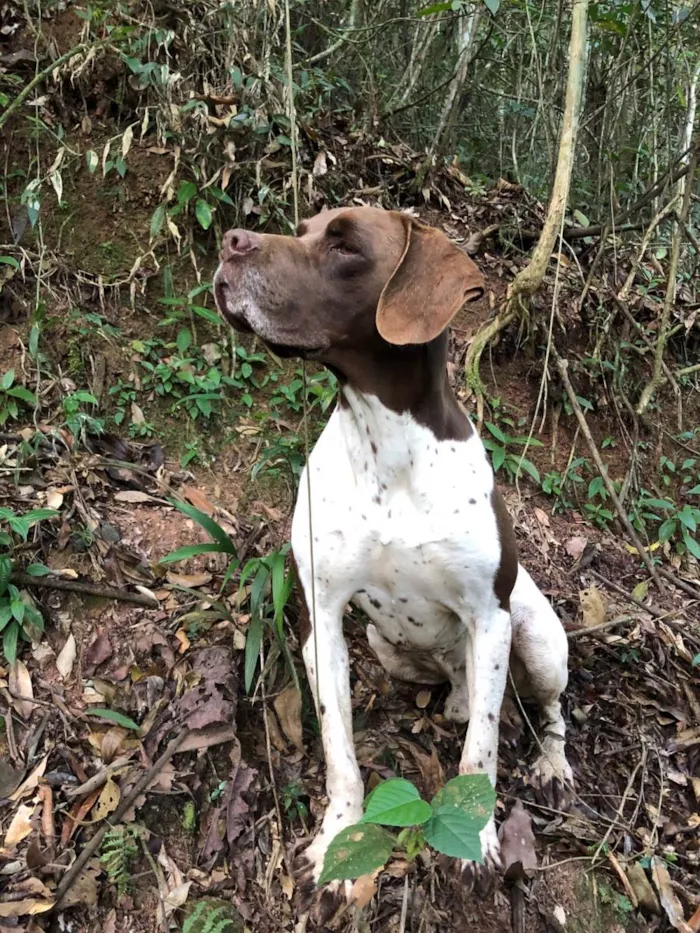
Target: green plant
[[12, 396], [18, 616], [321, 390], [221, 542], [502, 456], [676, 523], [451, 824], [269, 575], [292, 802], [208, 918], [80, 422], [119, 847]]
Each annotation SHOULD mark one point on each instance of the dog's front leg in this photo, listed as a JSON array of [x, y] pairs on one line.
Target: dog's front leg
[[328, 668], [488, 650]]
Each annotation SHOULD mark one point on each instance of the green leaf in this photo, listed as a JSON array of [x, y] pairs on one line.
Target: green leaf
[[396, 802], [667, 530], [91, 160], [191, 550], [695, 491], [204, 214], [658, 504], [472, 792], [252, 650], [5, 572], [498, 458], [9, 642], [357, 850], [5, 614], [114, 716], [434, 8], [38, 515], [207, 314], [37, 570], [454, 832], [184, 339], [157, 221], [9, 261], [493, 6], [208, 524], [23, 395], [692, 545], [496, 431], [7, 379], [529, 467], [186, 192]]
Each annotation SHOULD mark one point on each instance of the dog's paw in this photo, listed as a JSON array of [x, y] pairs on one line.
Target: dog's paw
[[320, 904], [481, 877], [553, 781]]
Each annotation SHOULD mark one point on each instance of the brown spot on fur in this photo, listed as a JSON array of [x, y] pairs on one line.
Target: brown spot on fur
[[508, 567]]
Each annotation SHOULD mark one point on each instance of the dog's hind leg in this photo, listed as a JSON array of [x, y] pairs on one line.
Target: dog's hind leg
[[540, 645]]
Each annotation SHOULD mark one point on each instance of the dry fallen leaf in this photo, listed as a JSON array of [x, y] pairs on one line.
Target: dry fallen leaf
[[423, 698], [32, 781], [27, 907], [642, 888], [641, 589], [363, 890], [54, 499], [99, 651], [111, 742], [20, 827], [177, 897], [669, 900], [575, 547], [133, 495], [84, 889], [20, 684], [592, 606], [108, 801], [185, 643], [518, 844], [288, 709], [191, 580], [76, 815], [66, 659], [198, 499]]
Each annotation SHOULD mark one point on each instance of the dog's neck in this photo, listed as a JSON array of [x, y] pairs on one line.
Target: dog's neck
[[408, 380]]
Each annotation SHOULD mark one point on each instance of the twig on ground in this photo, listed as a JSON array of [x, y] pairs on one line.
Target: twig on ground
[[563, 366], [99, 779], [87, 589], [74, 871], [651, 609], [595, 629], [688, 588]]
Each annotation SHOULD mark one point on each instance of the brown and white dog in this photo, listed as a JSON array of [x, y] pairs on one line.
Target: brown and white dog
[[405, 517]]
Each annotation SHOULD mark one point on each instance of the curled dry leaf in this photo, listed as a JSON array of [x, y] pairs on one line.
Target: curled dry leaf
[[20, 684], [111, 743], [32, 781], [363, 890], [669, 900], [423, 698], [66, 659], [592, 606], [19, 828], [75, 817], [288, 709], [185, 643], [518, 844], [199, 500]]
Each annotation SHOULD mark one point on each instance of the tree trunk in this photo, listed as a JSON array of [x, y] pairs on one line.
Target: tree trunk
[[528, 281], [468, 24]]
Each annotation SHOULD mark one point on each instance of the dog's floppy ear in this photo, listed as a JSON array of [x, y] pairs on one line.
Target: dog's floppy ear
[[431, 282]]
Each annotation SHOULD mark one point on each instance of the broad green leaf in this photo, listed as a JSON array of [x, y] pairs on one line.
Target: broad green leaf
[[38, 515], [9, 261], [5, 614], [23, 395], [434, 8], [113, 716], [5, 572], [695, 491], [529, 467], [454, 832], [91, 160], [186, 191], [9, 642], [37, 570], [208, 524], [7, 379], [498, 458], [692, 545], [496, 431], [396, 802], [470, 792], [207, 314], [658, 504], [204, 214], [493, 6], [191, 550], [357, 850], [667, 530]]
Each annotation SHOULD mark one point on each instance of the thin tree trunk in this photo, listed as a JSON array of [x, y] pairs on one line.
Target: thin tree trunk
[[468, 24], [530, 278]]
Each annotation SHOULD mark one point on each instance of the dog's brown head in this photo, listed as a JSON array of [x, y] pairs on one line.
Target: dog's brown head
[[352, 279]]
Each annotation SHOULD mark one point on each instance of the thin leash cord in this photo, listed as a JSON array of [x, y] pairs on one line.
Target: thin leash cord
[[291, 109]]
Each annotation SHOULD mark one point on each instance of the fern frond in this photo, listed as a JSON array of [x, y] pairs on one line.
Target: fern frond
[[207, 919]]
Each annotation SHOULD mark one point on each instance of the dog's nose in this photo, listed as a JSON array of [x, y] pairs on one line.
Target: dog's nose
[[237, 242]]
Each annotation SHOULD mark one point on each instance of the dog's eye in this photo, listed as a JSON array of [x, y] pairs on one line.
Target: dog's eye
[[345, 249]]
